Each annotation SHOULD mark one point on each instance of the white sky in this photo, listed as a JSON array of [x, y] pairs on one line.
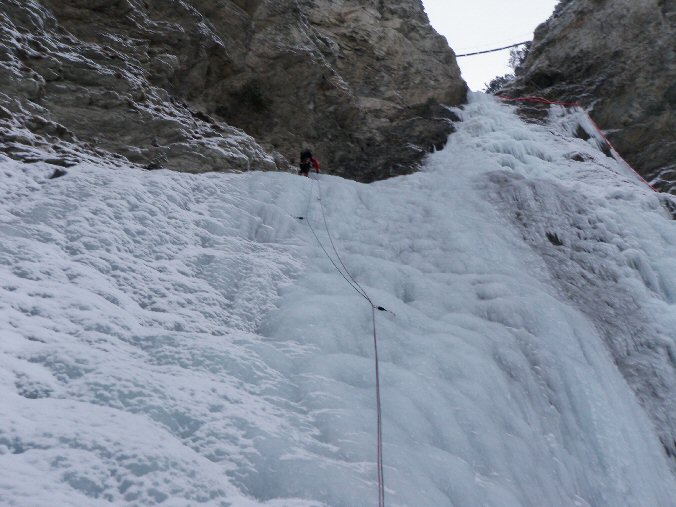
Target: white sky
[[475, 25]]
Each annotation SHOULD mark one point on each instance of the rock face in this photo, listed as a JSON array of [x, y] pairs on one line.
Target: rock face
[[616, 57], [95, 77], [360, 81], [206, 85]]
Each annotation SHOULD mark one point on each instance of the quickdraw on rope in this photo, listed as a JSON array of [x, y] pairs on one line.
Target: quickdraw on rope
[[347, 276], [542, 100]]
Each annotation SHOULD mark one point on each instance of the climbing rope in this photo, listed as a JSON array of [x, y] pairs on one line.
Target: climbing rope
[[381, 472], [314, 233], [381, 477], [328, 232], [492, 50], [615, 153], [347, 276]]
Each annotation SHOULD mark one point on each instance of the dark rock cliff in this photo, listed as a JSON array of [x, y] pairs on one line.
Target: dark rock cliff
[[206, 85], [616, 57]]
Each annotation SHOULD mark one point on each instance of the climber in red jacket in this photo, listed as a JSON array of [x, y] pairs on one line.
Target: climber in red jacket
[[307, 162]]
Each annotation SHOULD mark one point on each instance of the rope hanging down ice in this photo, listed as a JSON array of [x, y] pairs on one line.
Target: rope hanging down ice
[[347, 276]]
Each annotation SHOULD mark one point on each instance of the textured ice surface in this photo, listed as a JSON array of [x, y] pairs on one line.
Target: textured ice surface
[[171, 339]]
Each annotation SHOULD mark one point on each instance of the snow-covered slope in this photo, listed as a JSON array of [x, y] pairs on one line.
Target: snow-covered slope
[[182, 340]]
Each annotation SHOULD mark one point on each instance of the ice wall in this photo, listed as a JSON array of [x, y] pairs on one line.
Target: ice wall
[[181, 339]]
